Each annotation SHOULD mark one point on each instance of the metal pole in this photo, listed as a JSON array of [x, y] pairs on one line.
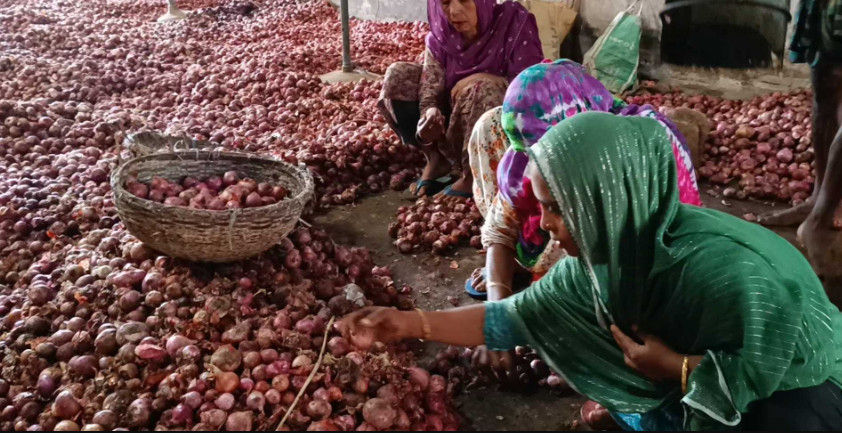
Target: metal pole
[[347, 64]]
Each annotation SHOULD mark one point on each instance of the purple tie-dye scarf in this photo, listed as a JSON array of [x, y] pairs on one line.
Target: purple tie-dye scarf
[[507, 41]]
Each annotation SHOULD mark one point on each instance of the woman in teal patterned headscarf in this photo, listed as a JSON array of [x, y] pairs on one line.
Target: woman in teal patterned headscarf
[[734, 327]]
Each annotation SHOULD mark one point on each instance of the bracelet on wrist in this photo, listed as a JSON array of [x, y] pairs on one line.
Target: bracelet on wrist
[[506, 287], [425, 325]]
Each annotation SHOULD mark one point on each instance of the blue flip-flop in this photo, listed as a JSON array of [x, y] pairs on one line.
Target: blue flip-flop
[[434, 186], [521, 281], [455, 193]]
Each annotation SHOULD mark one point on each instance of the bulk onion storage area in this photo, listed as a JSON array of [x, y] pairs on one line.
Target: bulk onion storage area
[[117, 135]]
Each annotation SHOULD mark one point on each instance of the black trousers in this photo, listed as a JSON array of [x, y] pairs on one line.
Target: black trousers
[[807, 409], [407, 114]]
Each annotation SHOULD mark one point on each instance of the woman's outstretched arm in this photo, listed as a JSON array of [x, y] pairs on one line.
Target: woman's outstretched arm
[[461, 326]]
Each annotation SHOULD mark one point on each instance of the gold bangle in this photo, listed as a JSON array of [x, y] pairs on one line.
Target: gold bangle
[[425, 325], [505, 286], [685, 367]]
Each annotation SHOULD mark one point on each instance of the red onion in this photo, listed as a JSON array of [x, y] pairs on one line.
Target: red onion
[[225, 401], [256, 401], [105, 418], [192, 399], [419, 377], [66, 425], [226, 358], [379, 414], [66, 406], [150, 352], [323, 425], [84, 366], [281, 382], [239, 421], [227, 382], [273, 397], [555, 381], [138, 413], [268, 355], [334, 393], [214, 418], [302, 361], [230, 178], [46, 385], [182, 414]]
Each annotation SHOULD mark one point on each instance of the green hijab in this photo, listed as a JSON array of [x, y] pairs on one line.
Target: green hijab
[[705, 282]]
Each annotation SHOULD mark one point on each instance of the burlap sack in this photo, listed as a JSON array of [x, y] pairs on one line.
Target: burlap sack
[[695, 127], [555, 21]]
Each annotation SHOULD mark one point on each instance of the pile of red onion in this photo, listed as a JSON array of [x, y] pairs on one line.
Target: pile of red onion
[[108, 335], [759, 148], [528, 371], [213, 193], [436, 224], [101, 333], [256, 89]]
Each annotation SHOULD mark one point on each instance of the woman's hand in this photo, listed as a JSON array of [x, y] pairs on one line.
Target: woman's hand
[[431, 125], [499, 364], [652, 359], [368, 325]]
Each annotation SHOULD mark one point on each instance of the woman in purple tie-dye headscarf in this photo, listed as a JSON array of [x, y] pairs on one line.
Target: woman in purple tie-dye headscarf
[[474, 48], [537, 99]]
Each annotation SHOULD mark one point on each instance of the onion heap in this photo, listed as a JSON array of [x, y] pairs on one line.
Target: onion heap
[[528, 372], [179, 346], [97, 331], [213, 193], [434, 224], [759, 148], [258, 89]]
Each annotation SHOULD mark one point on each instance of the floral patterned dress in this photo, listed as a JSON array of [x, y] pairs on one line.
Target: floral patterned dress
[[409, 89]]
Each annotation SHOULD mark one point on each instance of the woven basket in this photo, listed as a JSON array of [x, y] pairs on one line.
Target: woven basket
[[204, 235], [148, 143]]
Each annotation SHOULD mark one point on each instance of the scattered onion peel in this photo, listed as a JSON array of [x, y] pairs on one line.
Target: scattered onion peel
[[309, 378]]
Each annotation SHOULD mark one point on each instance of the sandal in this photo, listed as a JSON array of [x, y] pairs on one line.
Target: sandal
[[520, 281], [434, 186], [449, 191]]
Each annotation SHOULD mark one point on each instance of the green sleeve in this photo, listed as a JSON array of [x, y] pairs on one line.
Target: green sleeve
[[776, 334], [501, 332]]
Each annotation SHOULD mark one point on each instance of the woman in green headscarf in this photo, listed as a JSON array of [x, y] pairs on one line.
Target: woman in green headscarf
[[733, 327]]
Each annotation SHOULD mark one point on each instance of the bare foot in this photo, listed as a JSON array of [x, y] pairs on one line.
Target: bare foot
[[461, 185], [478, 280], [597, 417], [437, 166], [787, 217], [824, 247]]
